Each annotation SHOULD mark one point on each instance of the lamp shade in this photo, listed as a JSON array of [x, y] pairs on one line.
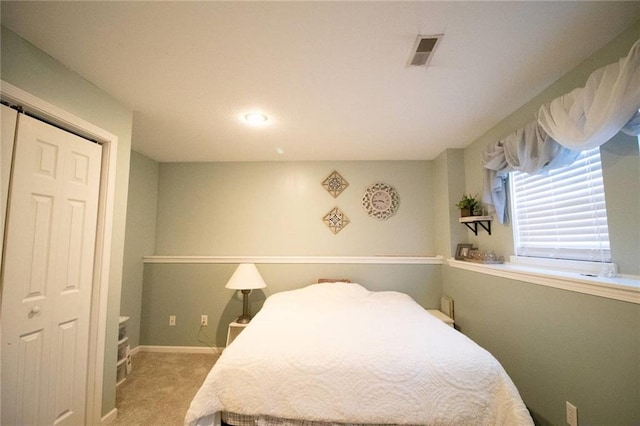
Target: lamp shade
[[246, 277]]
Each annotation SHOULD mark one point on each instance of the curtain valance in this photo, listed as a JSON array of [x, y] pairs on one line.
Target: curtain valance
[[529, 150], [589, 116], [583, 119]]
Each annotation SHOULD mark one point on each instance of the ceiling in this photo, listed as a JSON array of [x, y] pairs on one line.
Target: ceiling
[[332, 76]]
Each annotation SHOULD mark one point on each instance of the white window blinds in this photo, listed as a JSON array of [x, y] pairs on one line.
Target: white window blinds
[[562, 214]]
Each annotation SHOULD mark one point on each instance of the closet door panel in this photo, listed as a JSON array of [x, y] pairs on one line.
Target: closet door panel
[[48, 272], [8, 121]]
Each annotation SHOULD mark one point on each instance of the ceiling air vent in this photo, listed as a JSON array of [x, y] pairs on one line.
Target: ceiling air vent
[[423, 50]]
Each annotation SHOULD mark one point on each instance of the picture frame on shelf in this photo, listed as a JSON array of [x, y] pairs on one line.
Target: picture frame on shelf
[[474, 253], [462, 251]]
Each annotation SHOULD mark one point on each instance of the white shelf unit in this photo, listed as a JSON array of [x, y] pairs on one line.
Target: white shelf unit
[[235, 328], [442, 317], [124, 358]]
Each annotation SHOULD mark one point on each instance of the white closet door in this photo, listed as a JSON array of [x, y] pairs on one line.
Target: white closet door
[[9, 118], [47, 275], [8, 122]]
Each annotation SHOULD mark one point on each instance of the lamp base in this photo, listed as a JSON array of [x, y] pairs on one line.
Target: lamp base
[[243, 319]]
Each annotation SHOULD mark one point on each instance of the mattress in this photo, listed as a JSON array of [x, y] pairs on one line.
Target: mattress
[[338, 353]]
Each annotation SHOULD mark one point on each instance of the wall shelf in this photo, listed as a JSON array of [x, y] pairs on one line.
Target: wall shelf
[[472, 223]]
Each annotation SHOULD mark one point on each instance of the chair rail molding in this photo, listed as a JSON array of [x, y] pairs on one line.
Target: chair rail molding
[[382, 259]]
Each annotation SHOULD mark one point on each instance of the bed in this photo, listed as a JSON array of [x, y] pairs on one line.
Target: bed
[[339, 354]]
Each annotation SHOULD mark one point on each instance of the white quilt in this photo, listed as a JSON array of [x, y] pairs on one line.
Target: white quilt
[[340, 353]]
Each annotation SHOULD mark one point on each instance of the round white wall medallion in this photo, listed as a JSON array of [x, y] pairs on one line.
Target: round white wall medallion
[[381, 201]]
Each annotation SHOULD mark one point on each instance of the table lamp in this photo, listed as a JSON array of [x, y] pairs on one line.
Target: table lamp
[[245, 279]]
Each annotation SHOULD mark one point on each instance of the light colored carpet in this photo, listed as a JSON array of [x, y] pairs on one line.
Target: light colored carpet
[[160, 387]]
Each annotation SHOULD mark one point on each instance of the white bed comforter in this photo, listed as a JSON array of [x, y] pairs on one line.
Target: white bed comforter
[[340, 353]]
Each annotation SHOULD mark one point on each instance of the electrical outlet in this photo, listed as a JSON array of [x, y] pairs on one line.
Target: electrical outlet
[[172, 320], [572, 414], [204, 319]]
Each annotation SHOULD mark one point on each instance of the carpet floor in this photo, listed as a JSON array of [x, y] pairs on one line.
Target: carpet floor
[[160, 387]]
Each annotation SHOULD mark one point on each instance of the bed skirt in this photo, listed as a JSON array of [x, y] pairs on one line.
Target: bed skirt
[[245, 420], [220, 419]]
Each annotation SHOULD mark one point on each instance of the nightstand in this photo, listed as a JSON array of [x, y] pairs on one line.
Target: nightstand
[[442, 317], [233, 331]]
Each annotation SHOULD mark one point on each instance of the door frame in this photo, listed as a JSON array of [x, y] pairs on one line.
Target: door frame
[[102, 261]]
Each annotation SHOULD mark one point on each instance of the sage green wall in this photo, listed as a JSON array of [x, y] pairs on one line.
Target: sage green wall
[[449, 177], [189, 291], [140, 238], [557, 345], [621, 173], [276, 209], [32, 70]]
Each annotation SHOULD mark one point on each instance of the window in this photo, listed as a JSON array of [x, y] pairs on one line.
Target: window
[[562, 214]]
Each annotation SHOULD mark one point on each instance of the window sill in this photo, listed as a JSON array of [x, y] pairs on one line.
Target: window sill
[[624, 288]]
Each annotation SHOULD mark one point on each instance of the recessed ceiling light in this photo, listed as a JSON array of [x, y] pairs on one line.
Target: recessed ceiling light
[[255, 118]]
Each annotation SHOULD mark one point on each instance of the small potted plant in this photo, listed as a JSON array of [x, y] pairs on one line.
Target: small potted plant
[[469, 206]]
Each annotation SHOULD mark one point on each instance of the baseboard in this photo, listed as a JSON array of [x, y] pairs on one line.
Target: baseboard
[[135, 350], [109, 417], [180, 349]]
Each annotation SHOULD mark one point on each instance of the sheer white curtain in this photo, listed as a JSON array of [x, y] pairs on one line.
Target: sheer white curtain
[[583, 119], [529, 150], [589, 116], [632, 128]]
